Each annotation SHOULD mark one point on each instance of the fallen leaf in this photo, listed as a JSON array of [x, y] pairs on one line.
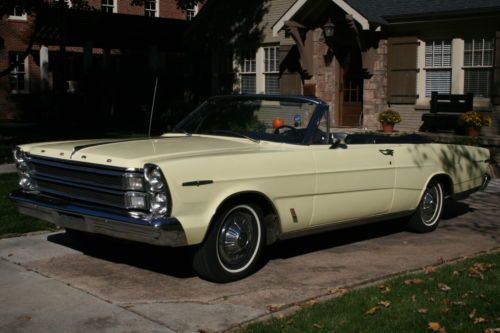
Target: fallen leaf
[[435, 327], [290, 322], [337, 291], [479, 320], [456, 273], [384, 289], [385, 304], [413, 298], [472, 314], [430, 269], [373, 310], [458, 303], [444, 287], [317, 326], [272, 308], [311, 302], [446, 301], [413, 282], [422, 310], [492, 330]]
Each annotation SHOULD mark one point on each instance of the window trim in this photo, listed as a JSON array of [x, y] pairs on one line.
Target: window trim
[[273, 62], [457, 73], [115, 7], [245, 69], [22, 17], [194, 10], [157, 8], [26, 89]]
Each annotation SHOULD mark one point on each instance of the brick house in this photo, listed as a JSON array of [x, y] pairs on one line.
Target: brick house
[[75, 51], [378, 54]]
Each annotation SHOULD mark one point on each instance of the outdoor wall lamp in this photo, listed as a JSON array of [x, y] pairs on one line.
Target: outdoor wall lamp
[[328, 29]]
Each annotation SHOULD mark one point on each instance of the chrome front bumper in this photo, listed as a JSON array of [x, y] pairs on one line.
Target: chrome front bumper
[[163, 231]]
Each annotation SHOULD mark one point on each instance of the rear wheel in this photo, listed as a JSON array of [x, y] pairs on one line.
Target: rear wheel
[[426, 217], [233, 245]]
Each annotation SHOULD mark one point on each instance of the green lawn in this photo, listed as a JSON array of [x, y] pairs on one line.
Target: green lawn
[[461, 297], [11, 222]]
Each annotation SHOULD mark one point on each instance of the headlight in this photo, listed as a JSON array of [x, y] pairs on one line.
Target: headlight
[[26, 182], [19, 155], [133, 181], [136, 200], [157, 190], [154, 178]]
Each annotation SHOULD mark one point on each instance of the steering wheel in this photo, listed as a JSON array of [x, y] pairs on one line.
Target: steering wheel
[[277, 130]]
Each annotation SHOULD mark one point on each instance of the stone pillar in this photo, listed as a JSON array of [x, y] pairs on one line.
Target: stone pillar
[[324, 80], [375, 88]]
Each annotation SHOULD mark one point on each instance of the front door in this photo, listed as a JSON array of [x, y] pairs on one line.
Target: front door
[[353, 183], [351, 89]]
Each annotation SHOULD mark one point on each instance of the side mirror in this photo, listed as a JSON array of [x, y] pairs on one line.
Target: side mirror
[[338, 143]]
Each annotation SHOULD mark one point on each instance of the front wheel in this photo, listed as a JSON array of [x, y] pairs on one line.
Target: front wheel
[[426, 217], [233, 244]]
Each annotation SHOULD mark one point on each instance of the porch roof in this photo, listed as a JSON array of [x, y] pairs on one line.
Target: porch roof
[[383, 12]]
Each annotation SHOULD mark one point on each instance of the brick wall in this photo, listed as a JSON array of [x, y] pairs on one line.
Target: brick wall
[[168, 8], [16, 34]]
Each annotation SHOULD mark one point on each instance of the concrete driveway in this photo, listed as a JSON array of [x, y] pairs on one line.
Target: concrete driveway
[[52, 283]]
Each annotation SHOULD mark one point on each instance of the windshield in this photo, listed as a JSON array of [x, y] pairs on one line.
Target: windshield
[[279, 119]]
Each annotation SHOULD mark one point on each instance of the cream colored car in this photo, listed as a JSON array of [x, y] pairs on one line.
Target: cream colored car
[[239, 173]]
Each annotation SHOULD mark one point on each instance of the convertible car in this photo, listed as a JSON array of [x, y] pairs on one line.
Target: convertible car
[[239, 173]]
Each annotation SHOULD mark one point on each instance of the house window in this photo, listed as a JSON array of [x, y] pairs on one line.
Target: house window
[[191, 13], [108, 6], [478, 66], [248, 73], [151, 8], [17, 14], [438, 67], [18, 76], [271, 70]]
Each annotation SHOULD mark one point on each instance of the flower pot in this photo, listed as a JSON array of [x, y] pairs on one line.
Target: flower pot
[[473, 131], [387, 128]]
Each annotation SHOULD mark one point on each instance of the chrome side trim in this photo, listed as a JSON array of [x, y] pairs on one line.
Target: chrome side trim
[[198, 183], [166, 231], [342, 225]]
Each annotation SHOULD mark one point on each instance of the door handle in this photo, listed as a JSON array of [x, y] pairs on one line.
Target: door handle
[[387, 152]]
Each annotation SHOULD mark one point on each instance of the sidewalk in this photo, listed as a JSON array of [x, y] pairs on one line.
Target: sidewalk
[[7, 168]]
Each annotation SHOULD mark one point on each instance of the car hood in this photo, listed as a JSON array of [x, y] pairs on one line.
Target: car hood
[[135, 153]]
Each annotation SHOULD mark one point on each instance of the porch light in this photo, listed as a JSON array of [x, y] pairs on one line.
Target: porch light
[[328, 28]]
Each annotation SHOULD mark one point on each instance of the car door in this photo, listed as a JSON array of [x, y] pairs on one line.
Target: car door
[[352, 183]]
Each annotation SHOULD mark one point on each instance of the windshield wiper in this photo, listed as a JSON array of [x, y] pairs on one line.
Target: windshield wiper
[[234, 133]]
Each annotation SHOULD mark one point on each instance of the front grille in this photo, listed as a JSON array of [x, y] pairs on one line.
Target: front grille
[[80, 182]]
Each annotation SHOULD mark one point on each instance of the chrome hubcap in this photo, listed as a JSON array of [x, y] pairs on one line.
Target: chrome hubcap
[[429, 205], [235, 240]]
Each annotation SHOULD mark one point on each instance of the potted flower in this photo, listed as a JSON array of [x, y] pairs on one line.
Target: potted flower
[[388, 118], [473, 121]]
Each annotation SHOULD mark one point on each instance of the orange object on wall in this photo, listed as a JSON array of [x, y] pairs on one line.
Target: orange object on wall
[[278, 122]]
